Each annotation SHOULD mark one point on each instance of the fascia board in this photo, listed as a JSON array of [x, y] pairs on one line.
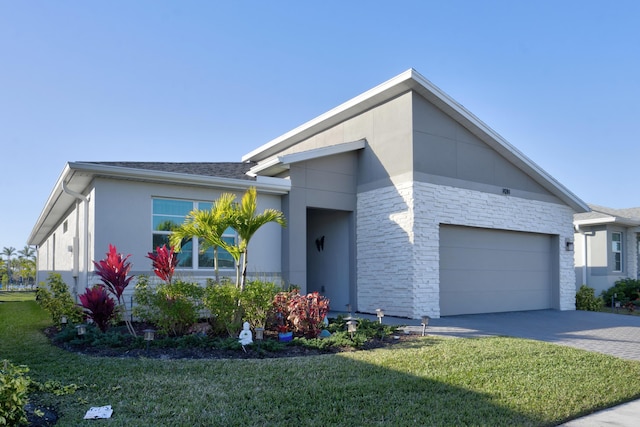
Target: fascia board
[[354, 106], [323, 152], [412, 80], [608, 220]]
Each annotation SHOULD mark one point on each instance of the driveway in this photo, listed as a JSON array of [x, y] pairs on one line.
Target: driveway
[[614, 334]]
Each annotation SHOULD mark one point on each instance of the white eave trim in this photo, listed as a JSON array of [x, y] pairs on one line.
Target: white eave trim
[[608, 220], [280, 163], [412, 80]]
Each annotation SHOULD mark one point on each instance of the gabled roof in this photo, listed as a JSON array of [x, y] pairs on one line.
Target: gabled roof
[[411, 80], [76, 178], [602, 215]]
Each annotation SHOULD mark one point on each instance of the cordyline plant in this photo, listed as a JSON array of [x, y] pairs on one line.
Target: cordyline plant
[[164, 262], [114, 274], [98, 306]]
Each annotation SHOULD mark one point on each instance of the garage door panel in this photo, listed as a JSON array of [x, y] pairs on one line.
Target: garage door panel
[[484, 271]]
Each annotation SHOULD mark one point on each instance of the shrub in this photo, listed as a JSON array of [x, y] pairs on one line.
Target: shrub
[[625, 289], [113, 271], [256, 302], [172, 307], [54, 298], [14, 386], [307, 313], [586, 299], [222, 300], [98, 306]]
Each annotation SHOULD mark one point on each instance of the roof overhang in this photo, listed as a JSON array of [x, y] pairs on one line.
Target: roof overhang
[[626, 222], [277, 164], [77, 177], [411, 80]]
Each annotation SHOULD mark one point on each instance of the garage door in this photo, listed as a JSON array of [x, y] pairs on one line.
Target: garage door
[[487, 271]]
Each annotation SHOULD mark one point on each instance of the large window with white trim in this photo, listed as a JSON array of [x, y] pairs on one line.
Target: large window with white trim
[[616, 249], [167, 214]]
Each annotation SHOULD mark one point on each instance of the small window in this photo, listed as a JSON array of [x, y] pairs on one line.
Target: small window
[[65, 226], [616, 249]]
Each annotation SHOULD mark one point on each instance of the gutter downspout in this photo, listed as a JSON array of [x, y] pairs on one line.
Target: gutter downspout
[[85, 270], [584, 253]]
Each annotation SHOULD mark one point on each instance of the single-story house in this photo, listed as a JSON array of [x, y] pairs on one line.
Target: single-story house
[[606, 246], [399, 199]]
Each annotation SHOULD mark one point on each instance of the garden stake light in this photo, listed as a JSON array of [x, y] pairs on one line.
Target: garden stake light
[[81, 330], [351, 327], [425, 323], [380, 314], [64, 321], [149, 335]]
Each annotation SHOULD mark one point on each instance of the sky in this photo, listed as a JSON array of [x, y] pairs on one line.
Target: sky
[[155, 80]]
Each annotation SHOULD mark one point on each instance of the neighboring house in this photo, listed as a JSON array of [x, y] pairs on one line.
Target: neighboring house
[[606, 246], [398, 199]]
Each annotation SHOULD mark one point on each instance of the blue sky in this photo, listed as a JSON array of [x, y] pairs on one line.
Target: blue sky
[[211, 81]]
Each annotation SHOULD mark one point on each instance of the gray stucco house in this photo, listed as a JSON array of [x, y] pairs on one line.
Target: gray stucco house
[[398, 199], [606, 246]]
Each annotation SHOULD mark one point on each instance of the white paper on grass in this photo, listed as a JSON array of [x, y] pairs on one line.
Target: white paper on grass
[[98, 412]]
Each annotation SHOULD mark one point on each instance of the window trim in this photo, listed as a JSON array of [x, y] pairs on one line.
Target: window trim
[[619, 251]]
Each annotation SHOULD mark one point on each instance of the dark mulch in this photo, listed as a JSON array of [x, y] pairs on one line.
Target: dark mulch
[[50, 417]]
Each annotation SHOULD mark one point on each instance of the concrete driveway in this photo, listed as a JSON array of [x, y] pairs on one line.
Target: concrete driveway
[[614, 334]]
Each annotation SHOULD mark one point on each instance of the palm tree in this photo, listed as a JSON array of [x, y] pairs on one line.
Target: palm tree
[[208, 227], [9, 252], [246, 222], [27, 252]]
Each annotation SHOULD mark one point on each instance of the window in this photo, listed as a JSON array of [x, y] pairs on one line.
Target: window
[[65, 226], [616, 249], [167, 215]]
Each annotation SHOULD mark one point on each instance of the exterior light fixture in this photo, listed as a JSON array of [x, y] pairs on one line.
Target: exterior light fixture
[[81, 330], [425, 323], [259, 334], [64, 321], [149, 335], [352, 325], [380, 314]]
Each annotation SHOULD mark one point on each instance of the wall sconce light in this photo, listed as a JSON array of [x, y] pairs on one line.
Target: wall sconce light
[[81, 330], [569, 245], [425, 323], [380, 314]]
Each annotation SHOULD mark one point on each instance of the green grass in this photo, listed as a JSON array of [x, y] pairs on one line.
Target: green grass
[[9, 296], [432, 381]]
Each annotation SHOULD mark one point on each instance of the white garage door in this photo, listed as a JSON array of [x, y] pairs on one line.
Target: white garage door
[[488, 271]]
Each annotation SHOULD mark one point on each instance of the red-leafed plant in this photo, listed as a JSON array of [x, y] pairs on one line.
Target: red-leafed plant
[[307, 313], [114, 274], [164, 262], [281, 310], [98, 306]]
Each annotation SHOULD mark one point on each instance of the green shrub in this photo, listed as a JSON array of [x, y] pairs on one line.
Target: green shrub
[[625, 290], [54, 297], [256, 302], [172, 307], [586, 299], [14, 386], [222, 301]]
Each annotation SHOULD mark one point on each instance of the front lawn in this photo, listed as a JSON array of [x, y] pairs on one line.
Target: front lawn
[[433, 381]]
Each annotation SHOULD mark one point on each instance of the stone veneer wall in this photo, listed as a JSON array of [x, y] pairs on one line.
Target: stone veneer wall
[[397, 241]]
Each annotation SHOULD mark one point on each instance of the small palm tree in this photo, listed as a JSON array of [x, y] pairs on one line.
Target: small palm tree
[[246, 222], [209, 227], [9, 252]]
